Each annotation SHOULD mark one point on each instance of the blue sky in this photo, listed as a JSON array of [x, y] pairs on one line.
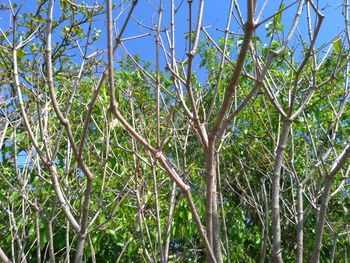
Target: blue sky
[[215, 15]]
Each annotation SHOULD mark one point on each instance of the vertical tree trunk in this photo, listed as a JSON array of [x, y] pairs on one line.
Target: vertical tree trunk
[[315, 258], [169, 221], [337, 165], [67, 243], [276, 218], [300, 224], [51, 242], [212, 218], [159, 229], [266, 224], [84, 222], [38, 238], [334, 246]]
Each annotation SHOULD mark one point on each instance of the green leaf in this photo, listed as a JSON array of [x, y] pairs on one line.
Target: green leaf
[[337, 45], [20, 54], [278, 18], [63, 4], [189, 216]]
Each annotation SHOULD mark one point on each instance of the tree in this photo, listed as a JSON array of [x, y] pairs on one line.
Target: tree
[[109, 157]]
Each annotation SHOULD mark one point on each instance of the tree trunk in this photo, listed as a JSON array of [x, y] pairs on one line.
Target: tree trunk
[[212, 218], [276, 219], [315, 258], [84, 222], [300, 224]]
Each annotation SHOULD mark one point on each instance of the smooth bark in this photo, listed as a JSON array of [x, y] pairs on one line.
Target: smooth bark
[[300, 224], [337, 165], [4, 257], [275, 204]]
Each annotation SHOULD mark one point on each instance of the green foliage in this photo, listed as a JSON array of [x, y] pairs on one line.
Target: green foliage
[[123, 204]]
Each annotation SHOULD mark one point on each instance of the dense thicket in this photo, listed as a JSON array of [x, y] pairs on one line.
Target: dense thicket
[[236, 153]]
